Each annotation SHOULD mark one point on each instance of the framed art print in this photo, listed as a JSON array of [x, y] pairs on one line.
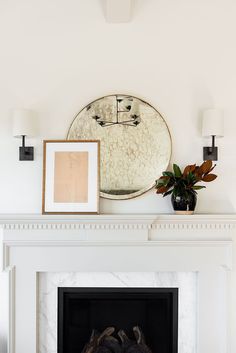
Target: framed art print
[[71, 177]]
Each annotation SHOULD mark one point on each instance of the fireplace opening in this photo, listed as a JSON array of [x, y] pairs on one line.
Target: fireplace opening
[[153, 310]]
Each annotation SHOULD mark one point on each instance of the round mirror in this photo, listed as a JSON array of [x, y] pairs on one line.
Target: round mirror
[[135, 143]]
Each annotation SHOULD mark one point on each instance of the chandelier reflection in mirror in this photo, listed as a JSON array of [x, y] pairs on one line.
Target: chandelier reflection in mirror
[[135, 143], [126, 108]]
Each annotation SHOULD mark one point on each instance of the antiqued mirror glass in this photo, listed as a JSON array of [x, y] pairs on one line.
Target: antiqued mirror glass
[[135, 143]]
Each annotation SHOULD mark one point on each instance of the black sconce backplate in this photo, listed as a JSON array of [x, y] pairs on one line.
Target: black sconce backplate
[[210, 153], [26, 153]]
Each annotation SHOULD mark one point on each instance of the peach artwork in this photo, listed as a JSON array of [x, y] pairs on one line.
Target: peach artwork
[[71, 177]]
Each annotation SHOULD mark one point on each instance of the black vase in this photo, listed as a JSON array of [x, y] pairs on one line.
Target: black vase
[[184, 203]]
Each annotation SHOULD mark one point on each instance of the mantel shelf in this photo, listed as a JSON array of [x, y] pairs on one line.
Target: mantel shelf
[[117, 221]]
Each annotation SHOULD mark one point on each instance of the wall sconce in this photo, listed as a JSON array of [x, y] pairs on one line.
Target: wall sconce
[[212, 126], [24, 125]]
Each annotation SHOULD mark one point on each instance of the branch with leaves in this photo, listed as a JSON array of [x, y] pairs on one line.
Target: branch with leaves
[[181, 183]]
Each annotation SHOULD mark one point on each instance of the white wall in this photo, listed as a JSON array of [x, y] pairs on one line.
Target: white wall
[[58, 55]]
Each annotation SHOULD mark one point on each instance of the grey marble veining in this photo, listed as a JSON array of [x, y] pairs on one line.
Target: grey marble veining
[[49, 282]]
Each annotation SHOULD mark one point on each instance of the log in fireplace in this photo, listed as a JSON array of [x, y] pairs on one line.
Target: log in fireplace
[[153, 310]]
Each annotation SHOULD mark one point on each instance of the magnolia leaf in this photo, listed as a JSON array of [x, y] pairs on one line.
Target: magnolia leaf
[[164, 177], [167, 193], [211, 169], [198, 187], [189, 168], [160, 184], [192, 168], [186, 170], [162, 189], [177, 171], [169, 174], [209, 177], [162, 181], [198, 172], [206, 166]]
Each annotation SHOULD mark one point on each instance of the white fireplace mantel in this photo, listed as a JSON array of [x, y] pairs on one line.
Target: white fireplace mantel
[[33, 221], [117, 243]]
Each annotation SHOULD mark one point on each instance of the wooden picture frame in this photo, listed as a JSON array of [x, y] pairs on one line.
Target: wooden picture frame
[[71, 176]]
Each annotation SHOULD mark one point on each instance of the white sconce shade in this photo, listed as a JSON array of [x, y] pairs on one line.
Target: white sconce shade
[[23, 123], [212, 123], [212, 126]]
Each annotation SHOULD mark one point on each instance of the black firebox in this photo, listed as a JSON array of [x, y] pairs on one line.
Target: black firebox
[[154, 310]]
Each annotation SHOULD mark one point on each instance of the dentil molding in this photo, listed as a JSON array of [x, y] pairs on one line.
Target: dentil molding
[[118, 222]]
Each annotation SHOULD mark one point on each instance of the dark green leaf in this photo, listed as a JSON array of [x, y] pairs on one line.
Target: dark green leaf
[[198, 187], [169, 174], [168, 193], [177, 171]]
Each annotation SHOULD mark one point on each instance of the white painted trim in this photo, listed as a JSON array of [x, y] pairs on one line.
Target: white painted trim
[[11, 324], [34, 243], [118, 222], [167, 243], [7, 310]]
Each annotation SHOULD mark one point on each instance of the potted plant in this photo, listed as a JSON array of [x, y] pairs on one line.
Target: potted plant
[[182, 185]]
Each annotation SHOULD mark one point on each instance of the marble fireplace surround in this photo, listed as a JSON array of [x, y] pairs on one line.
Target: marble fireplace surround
[[186, 282], [32, 245]]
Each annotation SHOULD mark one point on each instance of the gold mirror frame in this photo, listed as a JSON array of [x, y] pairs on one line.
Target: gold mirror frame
[[135, 143]]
